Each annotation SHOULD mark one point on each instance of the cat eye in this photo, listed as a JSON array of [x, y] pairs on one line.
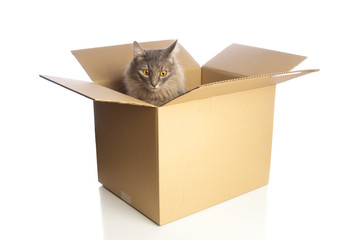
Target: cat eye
[[163, 73], [146, 72]]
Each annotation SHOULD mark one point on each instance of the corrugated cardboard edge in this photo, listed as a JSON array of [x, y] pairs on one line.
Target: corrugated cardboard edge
[[291, 74], [240, 84], [95, 92], [102, 94]]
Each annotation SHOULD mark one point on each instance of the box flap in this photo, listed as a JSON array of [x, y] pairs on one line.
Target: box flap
[[95, 91], [238, 85], [106, 65], [251, 61]]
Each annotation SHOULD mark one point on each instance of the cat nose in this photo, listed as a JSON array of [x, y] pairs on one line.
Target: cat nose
[[154, 84]]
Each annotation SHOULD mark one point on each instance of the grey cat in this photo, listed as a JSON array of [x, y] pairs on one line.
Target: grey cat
[[154, 76]]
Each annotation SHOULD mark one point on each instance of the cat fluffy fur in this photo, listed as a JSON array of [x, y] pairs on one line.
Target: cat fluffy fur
[[140, 86]]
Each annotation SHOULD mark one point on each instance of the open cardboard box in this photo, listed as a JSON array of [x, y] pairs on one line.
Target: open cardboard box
[[209, 145]]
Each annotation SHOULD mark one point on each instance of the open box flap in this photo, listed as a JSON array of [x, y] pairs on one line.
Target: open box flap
[[252, 61], [238, 85], [95, 91], [106, 65]]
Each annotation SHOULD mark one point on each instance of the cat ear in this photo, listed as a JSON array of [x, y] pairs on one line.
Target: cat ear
[[172, 48], [138, 51]]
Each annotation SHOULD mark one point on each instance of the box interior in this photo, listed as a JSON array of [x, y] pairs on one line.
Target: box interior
[[106, 65]]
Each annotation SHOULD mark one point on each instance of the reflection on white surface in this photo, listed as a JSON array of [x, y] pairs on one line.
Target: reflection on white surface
[[246, 213]]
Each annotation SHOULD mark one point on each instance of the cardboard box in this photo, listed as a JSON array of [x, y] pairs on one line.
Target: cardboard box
[[202, 148]]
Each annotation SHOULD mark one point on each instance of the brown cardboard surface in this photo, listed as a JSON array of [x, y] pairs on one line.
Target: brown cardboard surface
[[95, 91], [213, 149], [250, 61], [106, 65], [127, 154], [204, 147], [211, 75], [237, 85]]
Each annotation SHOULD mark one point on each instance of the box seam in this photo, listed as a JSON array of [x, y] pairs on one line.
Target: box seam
[[272, 129], [157, 158]]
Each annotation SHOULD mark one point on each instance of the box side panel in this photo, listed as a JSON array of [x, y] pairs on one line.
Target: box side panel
[[213, 149], [126, 140]]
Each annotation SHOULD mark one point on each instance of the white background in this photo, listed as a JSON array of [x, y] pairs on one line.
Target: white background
[[49, 187]]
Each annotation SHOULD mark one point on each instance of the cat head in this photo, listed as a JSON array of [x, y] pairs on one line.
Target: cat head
[[153, 67]]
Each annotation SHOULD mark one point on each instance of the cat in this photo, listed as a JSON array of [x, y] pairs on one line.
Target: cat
[[154, 76]]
